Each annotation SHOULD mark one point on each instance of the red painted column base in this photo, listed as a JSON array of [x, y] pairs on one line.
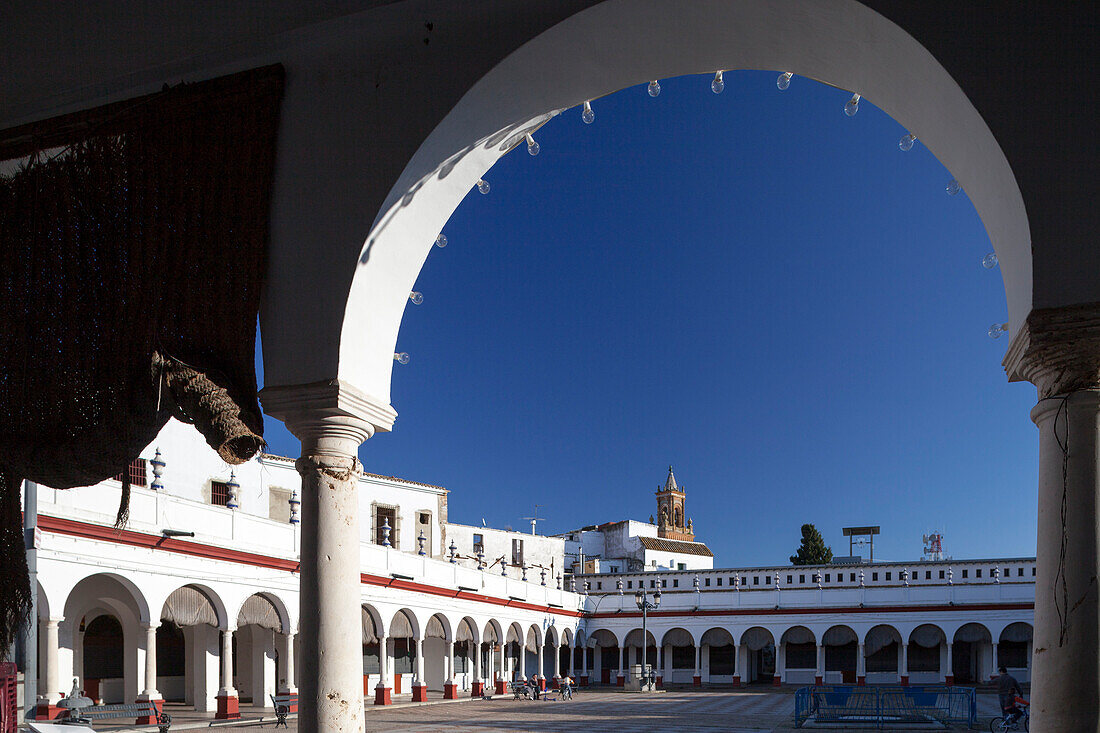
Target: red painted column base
[[397, 684], [501, 687], [905, 680], [584, 680], [542, 684], [861, 681], [777, 681], [555, 683], [620, 681], [366, 685], [382, 696], [697, 681], [150, 719], [737, 680], [949, 679], [420, 693], [293, 707], [660, 681], [45, 711], [605, 676], [819, 681], [450, 691], [229, 708], [477, 689]]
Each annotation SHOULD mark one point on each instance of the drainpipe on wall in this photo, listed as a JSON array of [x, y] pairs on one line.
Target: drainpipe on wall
[[29, 637]]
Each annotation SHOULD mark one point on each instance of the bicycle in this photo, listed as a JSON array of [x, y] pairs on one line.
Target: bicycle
[[999, 724]]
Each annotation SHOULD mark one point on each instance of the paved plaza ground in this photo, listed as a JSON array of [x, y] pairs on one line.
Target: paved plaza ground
[[590, 712]]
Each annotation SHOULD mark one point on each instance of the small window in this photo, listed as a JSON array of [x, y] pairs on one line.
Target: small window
[[767, 580], [874, 576], [675, 582], [517, 551], [479, 543], [219, 493], [719, 581], [425, 518], [966, 572], [1020, 572], [888, 574], [756, 580], [978, 573], [801, 578], [136, 472], [614, 568], [851, 577], [731, 582], [383, 516], [629, 584], [928, 574], [706, 582], [1008, 572], [599, 585], [653, 584], [790, 579], [1033, 572], [828, 577], [681, 566], [664, 583]]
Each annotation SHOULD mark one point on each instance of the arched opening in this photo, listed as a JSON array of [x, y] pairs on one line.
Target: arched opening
[[103, 670], [532, 645], [372, 633], [841, 651], [1014, 650], [605, 654], [798, 646], [718, 656], [255, 657], [758, 646], [633, 646], [190, 618], [466, 640], [402, 649], [972, 654], [882, 649], [436, 636], [514, 652], [171, 662], [927, 655]]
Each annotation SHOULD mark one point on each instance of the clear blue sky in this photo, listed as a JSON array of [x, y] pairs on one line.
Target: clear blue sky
[[751, 286]]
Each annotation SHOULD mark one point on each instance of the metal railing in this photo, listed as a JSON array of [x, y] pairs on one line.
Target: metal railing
[[884, 706]]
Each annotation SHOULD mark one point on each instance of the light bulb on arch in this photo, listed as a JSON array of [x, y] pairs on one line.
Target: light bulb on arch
[[953, 187], [441, 240], [654, 88], [906, 142], [401, 357], [416, 297], [989, 261], [852, 106], [587, 115], [482, 186], [532, 146], [997, 329], [718, 84], [784, 80]]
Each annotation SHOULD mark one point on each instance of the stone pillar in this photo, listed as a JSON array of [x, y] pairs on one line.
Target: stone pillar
[[993, 669], [557, 667], [523, 660], [780, 663], [286, 655], [819, 676], [542, 665], [621, 679], [736, 665], [1058, 350], [697, 679], [584, 665], [660, 665], [228, 705], [903, 668], [150, 692], [949, 674], [51, 692], [477, 687], [331, 419], [383, 691], [861, 666], [420, 687], [450, 687]]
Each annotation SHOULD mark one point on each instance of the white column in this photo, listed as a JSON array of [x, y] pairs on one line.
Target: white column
[[51, 691], [383, 663], [781, 661], [1058, 351], [820, 663], [490, 672], [737, 660], [993, 670], [572, 659], [698, 659], [622, 662], [150, 691], [227, 689], [523, 659], [450, 676], [584, 660], [903, 668], [542, 661], [331, 419], [286, 654], [419, 646], [476, 662], [861, 662], [950, 665]]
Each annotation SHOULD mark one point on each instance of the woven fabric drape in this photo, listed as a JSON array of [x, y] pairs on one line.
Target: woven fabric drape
[[972, 633], [434, 629], [757, 638], [532, 644], [927, 636], [188, 606], [261, 612], [400, 628], [370, 633], [720, 637], [677, 637], [634, 638], [1018, 631], [838, 636], [465, 631], [879, 638], [132, 248], [798, 635], [491, 635]]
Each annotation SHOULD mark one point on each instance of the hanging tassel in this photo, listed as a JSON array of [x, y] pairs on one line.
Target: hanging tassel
[[15, 582], [123, 515]]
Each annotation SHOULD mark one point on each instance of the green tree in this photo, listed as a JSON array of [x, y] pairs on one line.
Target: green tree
[[812, 551]]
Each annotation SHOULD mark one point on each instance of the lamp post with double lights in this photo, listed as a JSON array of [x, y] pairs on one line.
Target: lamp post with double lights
[[645, 606]]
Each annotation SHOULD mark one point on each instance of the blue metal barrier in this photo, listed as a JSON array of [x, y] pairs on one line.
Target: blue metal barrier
[[884, 706]]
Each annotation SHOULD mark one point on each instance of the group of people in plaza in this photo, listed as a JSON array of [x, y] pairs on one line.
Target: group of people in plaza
[[530, 689]]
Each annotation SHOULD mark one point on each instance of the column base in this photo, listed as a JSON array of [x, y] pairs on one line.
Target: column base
[[450, 691], [420, 693], [949, 679], [660, 681], [555, 683], [367, 687], [620, 681], [777, 681], [904, 680], [737, 680], [861, 681], [582, 681], [696, 681], [229, 707], [397, 684], [819, 681], [48, 711], [293, 705], [477, 689], [158, 702], [542, 684], [605, 676], [382, 696], [501, 687]]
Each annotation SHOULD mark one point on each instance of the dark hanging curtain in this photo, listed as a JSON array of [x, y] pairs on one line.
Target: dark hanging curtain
[[132, 249]]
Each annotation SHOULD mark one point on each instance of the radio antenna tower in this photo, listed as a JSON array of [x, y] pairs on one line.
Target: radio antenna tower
[[933, 546], [535, 519]]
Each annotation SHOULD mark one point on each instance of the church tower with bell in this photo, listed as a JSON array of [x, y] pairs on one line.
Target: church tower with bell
[[672, 521]]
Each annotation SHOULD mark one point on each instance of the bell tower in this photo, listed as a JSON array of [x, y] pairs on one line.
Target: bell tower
[[672, 521]]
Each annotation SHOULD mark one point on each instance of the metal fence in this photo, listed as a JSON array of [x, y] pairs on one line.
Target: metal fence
[[884, 706], [9, 711]]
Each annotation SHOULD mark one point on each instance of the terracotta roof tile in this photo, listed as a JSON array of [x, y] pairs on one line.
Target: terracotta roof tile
[[663, 545]]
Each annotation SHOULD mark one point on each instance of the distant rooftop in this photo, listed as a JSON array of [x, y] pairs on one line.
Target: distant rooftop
[[284, 459]]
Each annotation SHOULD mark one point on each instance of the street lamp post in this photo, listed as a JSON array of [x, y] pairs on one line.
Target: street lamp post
[[645, 606]]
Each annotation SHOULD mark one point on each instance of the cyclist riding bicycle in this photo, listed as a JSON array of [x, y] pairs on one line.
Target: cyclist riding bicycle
[[1009, 692]]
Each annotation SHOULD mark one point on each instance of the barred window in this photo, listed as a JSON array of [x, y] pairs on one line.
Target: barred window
[[136, 472], [219, 493]]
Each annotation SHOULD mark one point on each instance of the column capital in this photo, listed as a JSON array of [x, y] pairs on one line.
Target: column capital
[[329, 417], [1057, 350]]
